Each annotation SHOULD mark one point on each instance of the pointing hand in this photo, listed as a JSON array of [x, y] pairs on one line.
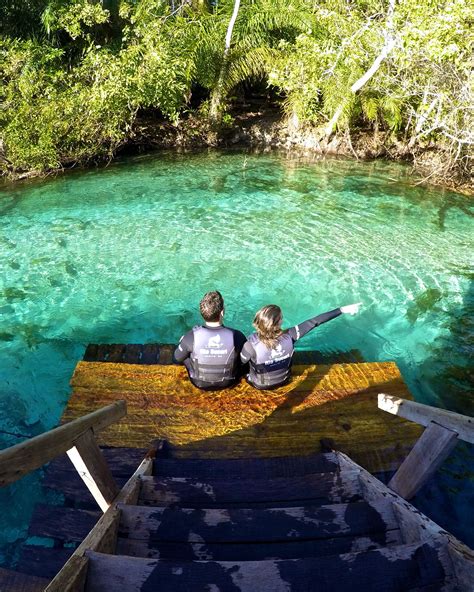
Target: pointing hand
[[351, 308]]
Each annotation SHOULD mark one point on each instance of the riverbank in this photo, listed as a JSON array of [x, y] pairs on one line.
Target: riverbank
[[266, 130]]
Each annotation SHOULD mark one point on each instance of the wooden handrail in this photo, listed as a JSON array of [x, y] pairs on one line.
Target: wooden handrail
[[443, 430], [463, 425], [21, 459]]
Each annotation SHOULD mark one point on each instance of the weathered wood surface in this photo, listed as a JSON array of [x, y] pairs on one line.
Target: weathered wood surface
[[42, 562], [155, 353], [290, 549], [338, 402], [92, 467], [72, 577], [243, 525], [69, 525], [103, 537], [335, 487], [428, 454], [21, 459], [394, 569], [463, 425], [415, 527], [12, 581], [246, 468], [60, 475]]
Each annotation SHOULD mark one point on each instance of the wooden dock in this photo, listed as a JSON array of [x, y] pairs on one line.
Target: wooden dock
[[336, 401]]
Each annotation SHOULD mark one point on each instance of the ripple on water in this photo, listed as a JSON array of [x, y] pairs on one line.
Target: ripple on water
[[124, 254]]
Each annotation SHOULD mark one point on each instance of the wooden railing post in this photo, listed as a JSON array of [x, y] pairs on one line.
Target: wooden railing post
[[92, 467], [443, 430], [429, 452]]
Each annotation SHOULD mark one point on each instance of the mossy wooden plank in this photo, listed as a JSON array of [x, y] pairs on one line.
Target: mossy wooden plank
[[336, 401]]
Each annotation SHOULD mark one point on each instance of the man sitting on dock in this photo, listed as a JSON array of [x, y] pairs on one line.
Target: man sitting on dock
[[211, 352]]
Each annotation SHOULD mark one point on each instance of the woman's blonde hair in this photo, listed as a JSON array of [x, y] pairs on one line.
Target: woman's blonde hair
[[267, 322]]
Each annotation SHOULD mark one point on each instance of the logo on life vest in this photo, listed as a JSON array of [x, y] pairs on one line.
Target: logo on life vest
[[214, 341], [277, 351]]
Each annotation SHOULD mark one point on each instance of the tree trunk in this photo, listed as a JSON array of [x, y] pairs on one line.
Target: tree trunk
[[217, 96], [358, 84]]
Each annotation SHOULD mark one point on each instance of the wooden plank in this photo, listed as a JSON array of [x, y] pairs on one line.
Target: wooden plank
[[256, 525], [457, 559], [103, 536], [90, 355], [246, 468], [93, 470], [21, 459], [116, 352], [289, 549], [150, 354], [72, 577], [392, 570], [338, 402], [426, 457], [67, 525], [121, 461], [42, 562], [463, 562], [463, 425], [330, 487], [12, 581], [133, 352], [71, 486], [166, 353], [102, 352]]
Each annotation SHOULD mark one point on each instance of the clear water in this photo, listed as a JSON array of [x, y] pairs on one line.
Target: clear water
[[125, 253]]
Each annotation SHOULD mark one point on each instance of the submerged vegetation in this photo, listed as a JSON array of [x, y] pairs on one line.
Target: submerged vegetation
[[77, 75]]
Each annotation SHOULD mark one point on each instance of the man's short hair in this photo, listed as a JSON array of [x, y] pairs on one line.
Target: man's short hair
[[211, 306]]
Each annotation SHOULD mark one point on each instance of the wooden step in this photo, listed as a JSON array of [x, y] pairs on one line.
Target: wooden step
[[67, 525], [121, 461], [337, 487], [394, 569], [294, 549], [72, 487], [42, 562], [246, 468], [62, 476], [155, 525], [12, 581]]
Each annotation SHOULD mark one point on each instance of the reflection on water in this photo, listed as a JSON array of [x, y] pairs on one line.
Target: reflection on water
[[124, 254]]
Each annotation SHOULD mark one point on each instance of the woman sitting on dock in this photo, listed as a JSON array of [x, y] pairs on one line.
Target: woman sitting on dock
[[269, 351]]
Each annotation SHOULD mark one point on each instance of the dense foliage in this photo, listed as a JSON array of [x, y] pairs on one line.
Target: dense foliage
[[74, 74]]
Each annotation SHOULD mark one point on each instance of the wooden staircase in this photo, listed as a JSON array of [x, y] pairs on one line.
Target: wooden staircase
[[318, 522]]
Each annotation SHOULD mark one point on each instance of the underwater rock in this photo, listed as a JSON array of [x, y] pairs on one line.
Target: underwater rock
[[423, 303], [11, 294], [7, 336], [70, 269]]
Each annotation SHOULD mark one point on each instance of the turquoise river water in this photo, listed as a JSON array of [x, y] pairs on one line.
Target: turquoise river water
[[123, 254]]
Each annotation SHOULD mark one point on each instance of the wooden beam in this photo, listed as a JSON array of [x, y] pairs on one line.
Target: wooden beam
[[21, 459], [92, 467], [425, 414], [102, 538], [425, 458]]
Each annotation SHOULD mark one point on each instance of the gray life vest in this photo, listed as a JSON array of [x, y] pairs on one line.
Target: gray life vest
[[213, 358], [272, 366]]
